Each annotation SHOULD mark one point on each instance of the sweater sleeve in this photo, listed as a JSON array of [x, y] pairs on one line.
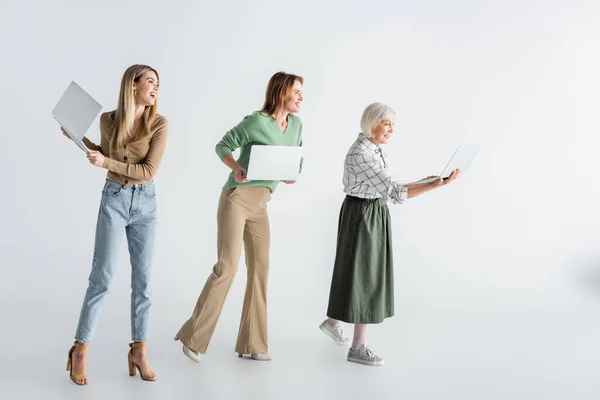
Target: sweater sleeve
[[301, 143], [91, 145], [235, 138]]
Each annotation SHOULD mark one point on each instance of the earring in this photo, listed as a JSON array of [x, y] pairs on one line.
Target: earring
[[134, 92]]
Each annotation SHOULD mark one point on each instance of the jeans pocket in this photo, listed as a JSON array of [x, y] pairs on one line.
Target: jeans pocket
[[149, 191], [112, 189]]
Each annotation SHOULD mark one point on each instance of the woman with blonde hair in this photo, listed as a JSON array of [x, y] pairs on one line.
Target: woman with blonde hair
[[242, 218], [362, 287], [132, 142]]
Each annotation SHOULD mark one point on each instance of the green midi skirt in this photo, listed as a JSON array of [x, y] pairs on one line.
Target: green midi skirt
[[362, 286]]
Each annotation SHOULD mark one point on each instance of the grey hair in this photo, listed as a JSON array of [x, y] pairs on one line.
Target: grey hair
[[373, 115]]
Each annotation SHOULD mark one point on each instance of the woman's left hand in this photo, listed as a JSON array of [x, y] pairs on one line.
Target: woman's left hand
[[445, 181], [96, 158], [288, 182]]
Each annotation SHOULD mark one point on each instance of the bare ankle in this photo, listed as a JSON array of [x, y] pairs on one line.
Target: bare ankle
[[333, 322]]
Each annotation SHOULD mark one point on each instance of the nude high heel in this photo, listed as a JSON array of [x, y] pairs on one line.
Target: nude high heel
[[79, 377], [151, 376]]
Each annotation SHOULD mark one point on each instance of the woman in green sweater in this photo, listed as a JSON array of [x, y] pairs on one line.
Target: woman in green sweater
[[242, 218]]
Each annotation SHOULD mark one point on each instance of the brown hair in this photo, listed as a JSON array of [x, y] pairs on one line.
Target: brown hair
[[279, 86]]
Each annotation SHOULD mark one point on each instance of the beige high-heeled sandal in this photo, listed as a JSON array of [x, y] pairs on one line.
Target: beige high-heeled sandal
[[151, 376], [79, 377]]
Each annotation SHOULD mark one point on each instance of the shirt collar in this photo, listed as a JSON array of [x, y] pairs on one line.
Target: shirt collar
[[368, 144]]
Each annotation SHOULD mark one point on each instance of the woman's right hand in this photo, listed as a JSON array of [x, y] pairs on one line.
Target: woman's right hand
[[240, 175], [65, 133]]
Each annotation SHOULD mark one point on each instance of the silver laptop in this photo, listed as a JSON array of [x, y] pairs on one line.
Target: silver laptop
[[75, 112], [462, 158], [274, 163]]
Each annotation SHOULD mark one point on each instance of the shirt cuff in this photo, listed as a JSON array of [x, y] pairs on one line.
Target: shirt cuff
[[398, 194], [402, 194], [222, 151]]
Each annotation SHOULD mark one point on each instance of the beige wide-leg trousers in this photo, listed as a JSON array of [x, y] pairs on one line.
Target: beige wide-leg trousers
[[241, 218]]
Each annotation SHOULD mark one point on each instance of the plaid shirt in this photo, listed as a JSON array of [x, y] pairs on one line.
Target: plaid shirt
[[366, 174]]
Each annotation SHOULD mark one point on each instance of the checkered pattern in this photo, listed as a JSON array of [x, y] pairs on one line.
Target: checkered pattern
[[366, 174]]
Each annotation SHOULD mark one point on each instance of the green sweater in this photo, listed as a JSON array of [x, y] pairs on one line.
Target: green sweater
[[257, 128]]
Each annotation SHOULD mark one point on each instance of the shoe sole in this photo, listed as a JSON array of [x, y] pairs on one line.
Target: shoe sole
[[364, 362], [332, 336], [255, 358]]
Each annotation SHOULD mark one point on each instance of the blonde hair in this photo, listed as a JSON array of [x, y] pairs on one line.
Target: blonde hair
[[279, 86], [125, 112], [373, 115]]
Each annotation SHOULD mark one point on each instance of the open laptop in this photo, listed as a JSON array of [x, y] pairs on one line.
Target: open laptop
[[75, 112], [462, 158], [274, 163]]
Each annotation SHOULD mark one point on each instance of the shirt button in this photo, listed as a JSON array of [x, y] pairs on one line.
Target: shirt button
[[126, 181], [125, 158]]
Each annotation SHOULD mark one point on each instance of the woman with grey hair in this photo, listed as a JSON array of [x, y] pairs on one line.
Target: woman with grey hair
[[362, 286]]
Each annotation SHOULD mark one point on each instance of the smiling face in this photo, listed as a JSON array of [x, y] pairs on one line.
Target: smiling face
[[294, 98], [146, 89], [382, 131]]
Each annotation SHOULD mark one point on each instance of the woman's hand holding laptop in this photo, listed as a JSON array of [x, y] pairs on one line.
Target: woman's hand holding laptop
[[95, 157], [436, 181], [240, 174]]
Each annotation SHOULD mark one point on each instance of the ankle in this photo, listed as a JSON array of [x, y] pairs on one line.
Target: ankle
[[357, 345], [138, 352], [333, 322], [80, 352]]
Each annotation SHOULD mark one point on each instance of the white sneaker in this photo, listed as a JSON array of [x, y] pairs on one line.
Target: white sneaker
[[364, 355], [191, 354], [258, 357], [261, 357], [335, 332]]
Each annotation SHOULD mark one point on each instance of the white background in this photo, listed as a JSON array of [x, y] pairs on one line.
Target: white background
[[497, 275]]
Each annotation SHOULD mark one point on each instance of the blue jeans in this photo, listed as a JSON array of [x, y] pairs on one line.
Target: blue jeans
[[131, 209]]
